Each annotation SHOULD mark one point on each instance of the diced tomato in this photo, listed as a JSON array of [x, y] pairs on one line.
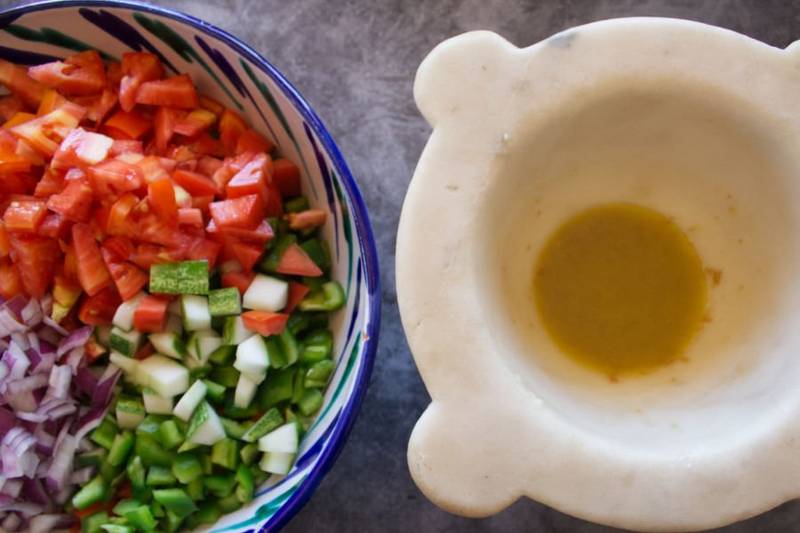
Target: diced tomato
[[194, 183], [137, 67], [243, 212], [165, 120], [125, 146], [34, 258], [153, 168], [10, 282], [296, 262], [252, 141], [51, 100], [297, 291], [231, 127], [115, 175], [113, 75], [81, 147], [205, 144], [208, 165], [273, 206], [240, 280], [286, 176], [127, 125], [202, 203], [310, 218], [147, 255], [94, 350], [118, 222], [177, 91], [98, 310], [10, 105], [80, 74], [92, 272], [5, 245], [260, 235], [98, 106], [251, 179], [150, 315], [16, 80], [17, 183], [18, 118], [247, 254], [190, 216], [11, 163], [45, 133], [51, 183], [196, 122], [204, 249], [161, 196], [24, 215], [74, 202], [212, 105], [128, 278], [118, 248], [264, 322]]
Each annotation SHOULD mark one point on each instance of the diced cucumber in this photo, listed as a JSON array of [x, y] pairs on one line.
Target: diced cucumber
[[130, 412], [205, 427], [123, 317], [224, 302], [270, 421], [195, 312], [156, 404], [234, 332], [215, 391], [251, 356], [124, 342], [169, 344], [128, 365], [164, 375], [223, 355], [276, 463], [281, 440], [203, 343], [266, 293], [190, 400], [245, 391], [188, 277]]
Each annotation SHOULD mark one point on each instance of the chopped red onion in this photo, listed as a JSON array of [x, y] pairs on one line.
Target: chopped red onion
[[46, 302], [60, 379], [45, 523], [12, 487], [76, 339], [31, 314], [12, 522], [55, 326]]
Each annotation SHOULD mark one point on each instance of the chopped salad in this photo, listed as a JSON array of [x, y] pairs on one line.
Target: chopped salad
[[165, 297]]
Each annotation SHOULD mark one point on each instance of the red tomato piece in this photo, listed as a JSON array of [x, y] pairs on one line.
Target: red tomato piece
[[10, 105], [202, 203], [260, 235], [80, 74], [265, 323], [240, 280], [161, 196], [34, 258], [147, 255], [296, 262], [125, 146], [127, 125], [153, 168], [45, 133], [310, 218], [212, 105], [273, 204], [74, 202], [113, 75], [145, 351], [204, 249], [11, 162], [195, 122], [252, 141], [99, 106], [10, 282], [81, 147], [128, 278], [286, 176], [177, 91], [231, 127], [92, 272], [16, 79], [115, 175], [98, 310], [118, 248], [5, 245], [55, 226], [24, 215], [118, 222], [194, 183], [251, 179], [243, 212], [165, 120], [297, 291], [205, 144], [151, 314], [137, 67], [190, 216], [51, 100], [51, 183], [207, 165], [247, 254]]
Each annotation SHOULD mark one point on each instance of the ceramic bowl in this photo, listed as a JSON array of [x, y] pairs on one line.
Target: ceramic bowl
[[694, 121], [236, 75]]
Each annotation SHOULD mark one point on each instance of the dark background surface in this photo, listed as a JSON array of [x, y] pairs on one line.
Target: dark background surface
[[354, 60]]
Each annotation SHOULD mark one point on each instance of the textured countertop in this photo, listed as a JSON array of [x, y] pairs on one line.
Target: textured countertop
[[354, 61]]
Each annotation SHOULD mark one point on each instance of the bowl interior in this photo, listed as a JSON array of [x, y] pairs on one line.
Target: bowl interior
[[236, 76], [724, 172]]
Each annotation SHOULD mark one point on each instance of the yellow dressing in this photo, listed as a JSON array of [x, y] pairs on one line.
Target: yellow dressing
[[620, 288]]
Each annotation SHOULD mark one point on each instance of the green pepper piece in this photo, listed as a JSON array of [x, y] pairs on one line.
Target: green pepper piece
[[170, 435], [136, 473], [94, 523], [116, 528], [289, 346], [207, 514], [318, 252], [120, 448], [227, 376], [317, 346], [232, 428], [91, 493], [123, 506], [159, 476], [224, 355], [195, 489], [175, 501], [174, 522], [299, 387], [245, 486], [94, 457], [229, 503], [225, 453], [214, 391], [296, 204], [275, 353], [278, 246], [259, 476], [141, 518], [220, 485], [104, 433], [310, 402], [330, 298], [278, 387], [187, 468], [317, 376], [151, 452], [298, 323], [249, 453]]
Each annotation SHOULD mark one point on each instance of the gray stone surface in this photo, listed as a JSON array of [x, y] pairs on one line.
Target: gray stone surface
[[354, 60]]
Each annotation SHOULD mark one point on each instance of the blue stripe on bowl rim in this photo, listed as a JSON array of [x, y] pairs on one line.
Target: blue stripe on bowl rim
[[364, 235]]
